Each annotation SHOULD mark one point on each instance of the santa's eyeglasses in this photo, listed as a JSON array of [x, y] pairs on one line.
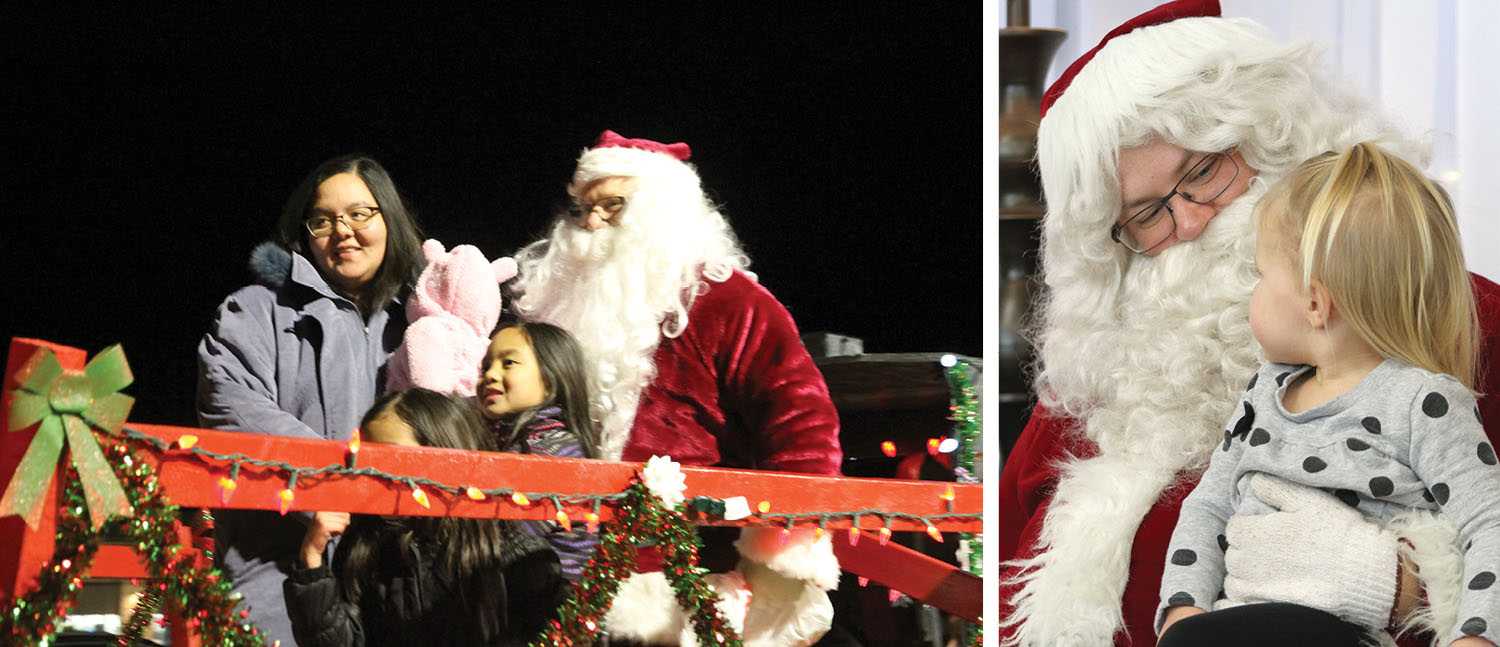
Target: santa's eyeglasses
[[611, 206], [1208, 179]]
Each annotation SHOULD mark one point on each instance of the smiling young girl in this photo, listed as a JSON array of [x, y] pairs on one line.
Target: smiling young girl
[[534, 391], [1367, 320]]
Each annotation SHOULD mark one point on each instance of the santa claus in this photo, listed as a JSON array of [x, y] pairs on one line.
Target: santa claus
[[1145, 344], [693, 359]]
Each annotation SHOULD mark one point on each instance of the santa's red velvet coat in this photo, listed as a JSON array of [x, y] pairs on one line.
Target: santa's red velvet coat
[[737, 389], [1031, 473]]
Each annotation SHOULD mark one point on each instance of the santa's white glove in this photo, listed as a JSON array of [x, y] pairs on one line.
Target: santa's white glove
[[1316, 551]]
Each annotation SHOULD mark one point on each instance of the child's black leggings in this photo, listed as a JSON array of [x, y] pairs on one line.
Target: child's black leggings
[[1273, 623]]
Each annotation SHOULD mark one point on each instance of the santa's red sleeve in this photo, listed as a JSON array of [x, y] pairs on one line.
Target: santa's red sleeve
[[1027, 478], [770, 380], [1487, 301], [1026, 483]]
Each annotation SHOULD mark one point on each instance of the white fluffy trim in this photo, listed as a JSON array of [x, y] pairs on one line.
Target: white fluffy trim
[[1440, 566], [799, 556], [645, 609], [616, 161], [1070, 592], [785, 612]]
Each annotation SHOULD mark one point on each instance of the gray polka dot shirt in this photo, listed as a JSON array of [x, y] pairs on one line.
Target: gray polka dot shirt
[[1403, 438]]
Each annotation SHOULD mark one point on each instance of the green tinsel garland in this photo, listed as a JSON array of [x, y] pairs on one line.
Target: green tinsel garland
[[197, 593], [642, 520], [963, 410], [146, 607]]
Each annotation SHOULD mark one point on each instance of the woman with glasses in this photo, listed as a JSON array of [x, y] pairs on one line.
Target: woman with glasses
[[302, 350]]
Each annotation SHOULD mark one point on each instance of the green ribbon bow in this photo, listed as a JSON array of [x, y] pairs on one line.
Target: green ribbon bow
[[67, 403]]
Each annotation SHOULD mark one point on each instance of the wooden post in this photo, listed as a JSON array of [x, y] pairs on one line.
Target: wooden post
[[18, 566]]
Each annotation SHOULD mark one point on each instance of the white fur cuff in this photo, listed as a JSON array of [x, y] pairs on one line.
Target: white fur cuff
[[1435, 552], [798, 555], [645, 608], [786, 612]]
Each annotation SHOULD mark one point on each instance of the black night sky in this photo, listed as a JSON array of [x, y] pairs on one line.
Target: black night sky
[[147, 151]]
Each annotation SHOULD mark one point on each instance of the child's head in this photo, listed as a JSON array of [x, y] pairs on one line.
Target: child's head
[[1363, 237], [418, 416], [534, 365], [469, 550]]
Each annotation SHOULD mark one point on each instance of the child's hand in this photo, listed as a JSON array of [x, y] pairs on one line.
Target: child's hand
[[324, 527], [1177, 613], [1472, 641]]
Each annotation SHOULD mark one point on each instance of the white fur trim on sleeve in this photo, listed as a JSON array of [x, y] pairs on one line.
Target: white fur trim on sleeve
[[645, 608], [799, 555], [785, 612], [1440, 566], [1071, 591]]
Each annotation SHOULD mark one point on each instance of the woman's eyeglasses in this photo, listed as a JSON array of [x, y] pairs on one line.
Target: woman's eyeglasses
[[323, 225]]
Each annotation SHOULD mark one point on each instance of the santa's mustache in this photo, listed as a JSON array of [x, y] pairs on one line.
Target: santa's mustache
[[1225, 244], [585, 247]]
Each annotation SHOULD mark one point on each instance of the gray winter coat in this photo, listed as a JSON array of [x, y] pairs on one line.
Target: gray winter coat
[[290, 357]]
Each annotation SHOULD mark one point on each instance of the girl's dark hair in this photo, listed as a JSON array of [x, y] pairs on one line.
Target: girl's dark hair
[[565, 375], [403, 243], [468, 550]]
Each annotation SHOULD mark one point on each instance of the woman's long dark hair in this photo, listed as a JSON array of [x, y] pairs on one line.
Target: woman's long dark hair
[[565, 375], [468, 550], [403, 243]]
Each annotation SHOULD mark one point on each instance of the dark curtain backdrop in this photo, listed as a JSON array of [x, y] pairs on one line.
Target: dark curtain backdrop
[[148, 149]]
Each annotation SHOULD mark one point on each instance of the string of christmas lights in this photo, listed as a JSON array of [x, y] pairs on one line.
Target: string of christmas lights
[[204, 597], [560, 500]]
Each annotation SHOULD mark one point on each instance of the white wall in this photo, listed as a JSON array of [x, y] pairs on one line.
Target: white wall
[[1431, 65]]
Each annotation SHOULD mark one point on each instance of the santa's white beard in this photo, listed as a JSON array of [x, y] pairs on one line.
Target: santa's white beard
[[1154, 370], [618, 290], [1150, 365], [583, 248]]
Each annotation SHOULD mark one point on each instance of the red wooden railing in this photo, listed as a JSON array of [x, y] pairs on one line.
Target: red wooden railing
[[189, 481]]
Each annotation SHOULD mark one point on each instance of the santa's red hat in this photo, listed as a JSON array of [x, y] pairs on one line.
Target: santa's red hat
[[1119, 92], [1158, 15], [614, 155]]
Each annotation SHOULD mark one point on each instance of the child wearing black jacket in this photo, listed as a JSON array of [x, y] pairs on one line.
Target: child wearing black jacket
[[422, 581]]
